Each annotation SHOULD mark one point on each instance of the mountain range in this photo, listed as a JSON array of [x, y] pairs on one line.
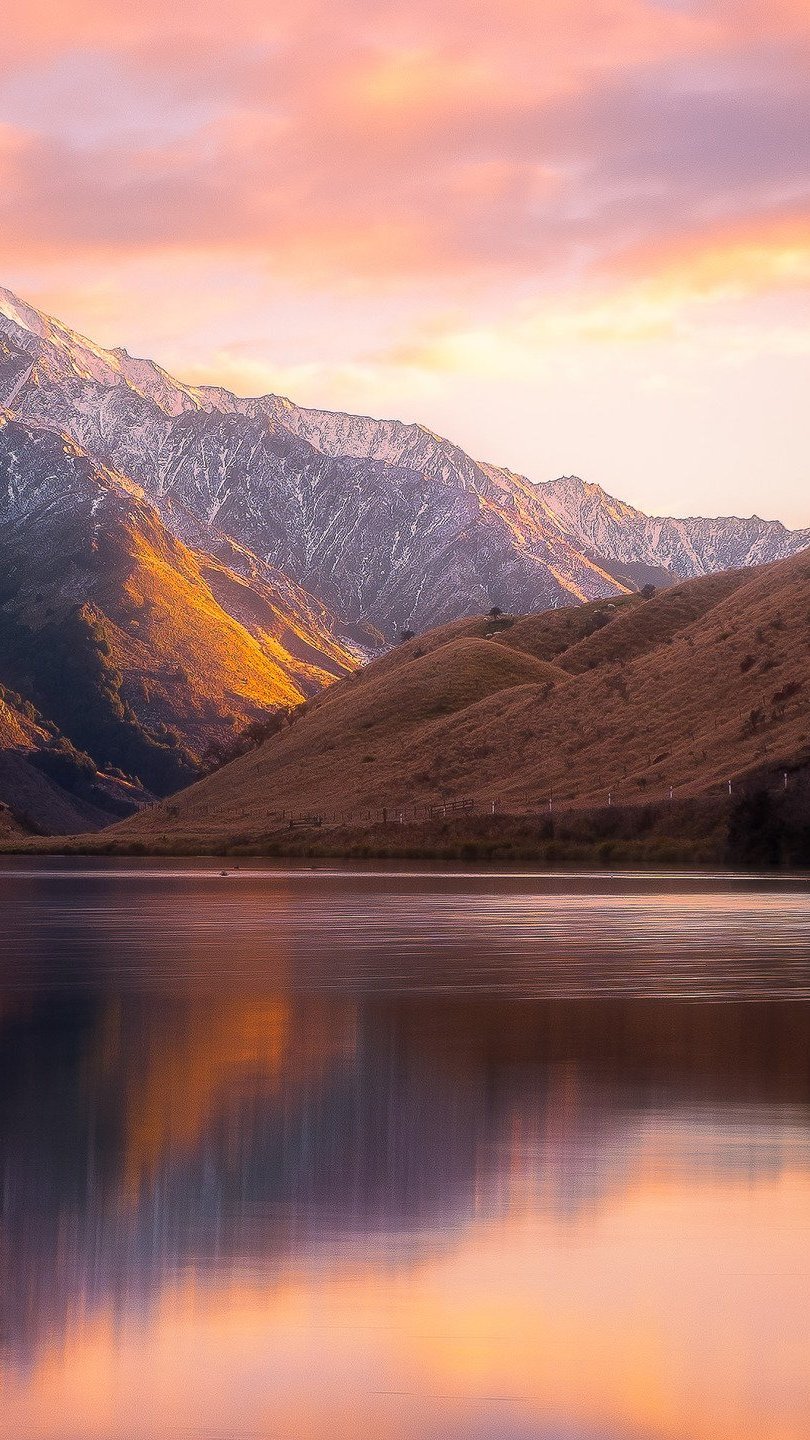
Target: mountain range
[[178, 561]]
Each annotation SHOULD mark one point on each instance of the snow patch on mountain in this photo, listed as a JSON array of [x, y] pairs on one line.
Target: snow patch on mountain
[[387, 523]]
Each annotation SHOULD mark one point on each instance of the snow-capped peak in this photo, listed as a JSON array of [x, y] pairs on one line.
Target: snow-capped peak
[[386, 521]]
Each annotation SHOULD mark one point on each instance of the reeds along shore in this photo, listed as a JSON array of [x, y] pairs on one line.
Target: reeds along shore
[[761, 829]]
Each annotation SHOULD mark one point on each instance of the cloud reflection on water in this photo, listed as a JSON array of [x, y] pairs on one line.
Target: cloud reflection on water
[[283, 1212]]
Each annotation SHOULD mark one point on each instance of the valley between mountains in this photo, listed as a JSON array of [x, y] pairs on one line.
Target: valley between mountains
[[184, 572]]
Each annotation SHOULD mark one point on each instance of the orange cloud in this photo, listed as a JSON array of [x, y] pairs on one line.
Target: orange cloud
[[728, 263], [307, 191]]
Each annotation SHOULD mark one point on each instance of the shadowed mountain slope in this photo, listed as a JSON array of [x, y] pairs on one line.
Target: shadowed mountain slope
[[48, 786], [714, 686]]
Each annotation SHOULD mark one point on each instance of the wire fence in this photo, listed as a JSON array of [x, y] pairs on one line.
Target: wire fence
[[527, 805]]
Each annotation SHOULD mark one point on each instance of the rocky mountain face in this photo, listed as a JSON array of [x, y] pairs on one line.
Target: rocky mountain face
[[143, 653], [686, 548], [388, 524]]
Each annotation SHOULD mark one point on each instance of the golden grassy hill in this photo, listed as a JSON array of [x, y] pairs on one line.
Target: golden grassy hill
[[409, 689], [639, 628], [545, 635], [702, 684]]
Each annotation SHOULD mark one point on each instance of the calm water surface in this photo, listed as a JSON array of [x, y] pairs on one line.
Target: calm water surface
[[403, 1156]]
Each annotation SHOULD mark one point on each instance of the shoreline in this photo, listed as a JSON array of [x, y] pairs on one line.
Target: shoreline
[[699, 834]]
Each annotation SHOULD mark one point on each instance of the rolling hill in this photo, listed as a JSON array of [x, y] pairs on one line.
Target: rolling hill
[[701, 685]]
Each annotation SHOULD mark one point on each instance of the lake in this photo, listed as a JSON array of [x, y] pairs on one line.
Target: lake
[[402, 1154]]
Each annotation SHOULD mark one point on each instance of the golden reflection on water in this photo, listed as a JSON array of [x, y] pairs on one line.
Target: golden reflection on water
[[394, 1216], [647, 1318], [211, 1057], [285, 1238]]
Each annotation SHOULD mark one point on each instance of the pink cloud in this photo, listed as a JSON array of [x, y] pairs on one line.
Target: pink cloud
[[370, 143]]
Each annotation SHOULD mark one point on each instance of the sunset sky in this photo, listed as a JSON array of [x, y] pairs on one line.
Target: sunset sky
[[573, 235]]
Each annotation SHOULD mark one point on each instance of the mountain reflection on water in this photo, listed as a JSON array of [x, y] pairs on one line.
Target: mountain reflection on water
[[281, 1211]]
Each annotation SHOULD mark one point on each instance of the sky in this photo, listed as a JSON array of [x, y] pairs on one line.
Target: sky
[[572, 235]]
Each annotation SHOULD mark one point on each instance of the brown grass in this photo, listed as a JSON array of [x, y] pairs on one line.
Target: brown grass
[[705, 683]]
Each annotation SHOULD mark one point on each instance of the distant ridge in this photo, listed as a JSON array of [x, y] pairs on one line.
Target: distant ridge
[[388, 524]]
